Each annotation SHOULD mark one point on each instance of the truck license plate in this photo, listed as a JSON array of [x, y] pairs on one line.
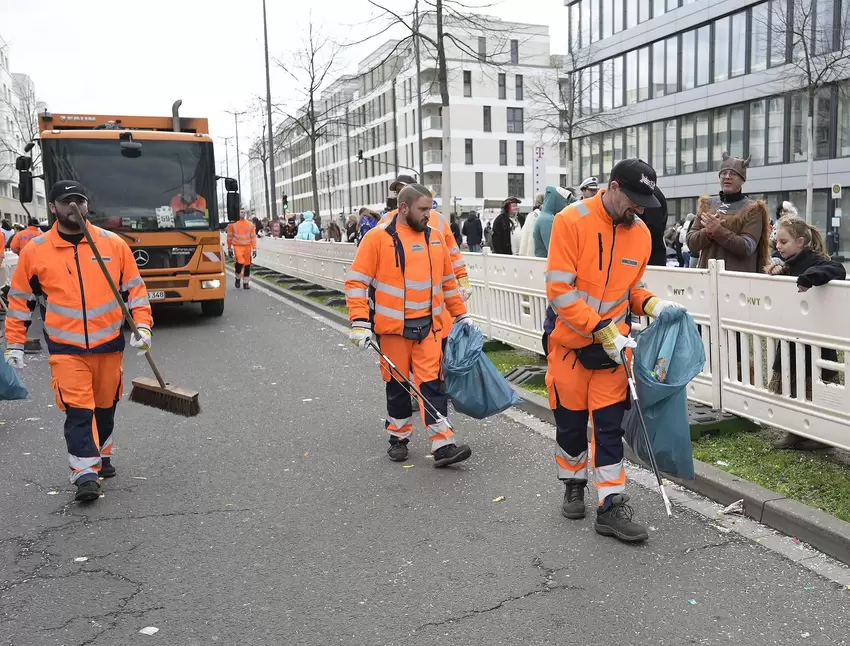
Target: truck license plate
[[156, 296]]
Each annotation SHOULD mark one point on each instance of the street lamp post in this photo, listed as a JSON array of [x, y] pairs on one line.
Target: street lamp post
[[269, 117]]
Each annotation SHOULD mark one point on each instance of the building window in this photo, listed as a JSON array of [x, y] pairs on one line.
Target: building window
[[643, 10], [594, 20], [618, 16], [562, 154], [618, 82], [670, 156], [488, 122], [703, 55], [595, 154], [520, 153], [672, 65], [519, 87], [467, 83], [759, 40], [659, 83], [824, 27], [607, 156], [479, 184], [736, 131], [514, 52], [503, 153], [823, 102], [701, 163], [631, 13], [643, 141], [643, 73], [631, 78], [594, 89], [689, 50], [607, 83], [482, 48], [844, 123], [738, 36], [778, 47], [658, 8], [776, 130], [562, 180], [515, 121], [468, 147], [631, 143], [575, 26], [686, 157], [516, 185], [757, 133], [721, 49], [719, 137], [585, 158], [503, 94], [607, 18]]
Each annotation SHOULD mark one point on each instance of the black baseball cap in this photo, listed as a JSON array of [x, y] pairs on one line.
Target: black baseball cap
[[637, 180], [64, 189]]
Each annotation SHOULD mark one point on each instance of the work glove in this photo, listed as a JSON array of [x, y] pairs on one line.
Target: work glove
[[15, 358], [254, 254], [230, 253], [613, 342], [465, 319], [142, 342], [654, 306], [360, 334], [465, 288]]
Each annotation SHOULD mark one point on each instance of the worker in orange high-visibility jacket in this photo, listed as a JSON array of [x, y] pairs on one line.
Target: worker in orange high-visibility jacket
[[242, 239], [23, 237], [597, 256], [82, 326], [400, 282]]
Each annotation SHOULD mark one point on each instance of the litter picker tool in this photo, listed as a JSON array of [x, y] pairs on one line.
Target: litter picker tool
[[408, 385], [645, 432], [156, 393]]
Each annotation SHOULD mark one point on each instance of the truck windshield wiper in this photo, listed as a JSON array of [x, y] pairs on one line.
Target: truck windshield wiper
[[124, 235], [188, 235]]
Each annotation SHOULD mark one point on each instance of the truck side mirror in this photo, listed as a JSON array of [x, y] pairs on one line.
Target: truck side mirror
[[230, 185], [233, 205], [25, 186]]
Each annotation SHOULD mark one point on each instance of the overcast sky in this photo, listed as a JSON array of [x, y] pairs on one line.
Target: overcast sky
[[92, 56]]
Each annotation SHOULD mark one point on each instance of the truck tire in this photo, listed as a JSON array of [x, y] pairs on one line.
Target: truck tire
[[213, 308]]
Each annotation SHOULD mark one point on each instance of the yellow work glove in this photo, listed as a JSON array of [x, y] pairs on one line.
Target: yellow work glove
[[654, 306], [613, 342], [360, 334], [465, 287]]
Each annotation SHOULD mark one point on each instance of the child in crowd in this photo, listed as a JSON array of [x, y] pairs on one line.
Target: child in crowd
[[802, 254]]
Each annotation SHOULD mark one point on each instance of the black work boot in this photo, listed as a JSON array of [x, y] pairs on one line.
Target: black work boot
[[397, 450], [614, 518], [106, 468], [451, 453], [573, 506], [246, 286], [88, 491], [238, 283]]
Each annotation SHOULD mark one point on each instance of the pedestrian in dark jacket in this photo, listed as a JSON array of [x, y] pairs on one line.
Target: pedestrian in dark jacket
[[351, 229], [507, 229], [804, 255], [334, 233], [291, 229], [473, 232], [655, 220]]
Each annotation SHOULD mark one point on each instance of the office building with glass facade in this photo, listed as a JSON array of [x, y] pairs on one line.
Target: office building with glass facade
[[685, 80]]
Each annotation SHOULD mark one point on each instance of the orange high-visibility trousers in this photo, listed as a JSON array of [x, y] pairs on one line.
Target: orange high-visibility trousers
[[88, 387], [576, 393], [424, 359]]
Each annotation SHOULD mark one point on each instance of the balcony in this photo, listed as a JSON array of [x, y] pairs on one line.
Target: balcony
[[433, 156], [432, 123]]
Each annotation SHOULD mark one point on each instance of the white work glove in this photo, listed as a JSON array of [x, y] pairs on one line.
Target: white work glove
[[465, 288], [613, 342], [15, 358], [654, 306], [465, 319], [360, 334], [142, 342]]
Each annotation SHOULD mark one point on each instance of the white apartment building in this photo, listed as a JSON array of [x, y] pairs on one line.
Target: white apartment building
[[17, 97], [493, 138]]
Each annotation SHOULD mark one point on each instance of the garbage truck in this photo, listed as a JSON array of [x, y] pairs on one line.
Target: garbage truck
[[152, 181]]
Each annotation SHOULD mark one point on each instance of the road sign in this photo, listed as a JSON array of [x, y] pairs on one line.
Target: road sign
[[836, 191], [433, 204]]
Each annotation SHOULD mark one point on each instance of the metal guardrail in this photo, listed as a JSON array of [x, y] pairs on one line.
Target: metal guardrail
[[509, 303]]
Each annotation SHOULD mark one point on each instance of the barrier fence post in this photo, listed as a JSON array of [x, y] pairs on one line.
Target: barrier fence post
[[717, 355], [485, 255]]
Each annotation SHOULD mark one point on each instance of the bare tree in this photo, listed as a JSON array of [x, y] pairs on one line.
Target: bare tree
[[311, 66], [21, 107], [562, 109], [259, 152], [816, 49]]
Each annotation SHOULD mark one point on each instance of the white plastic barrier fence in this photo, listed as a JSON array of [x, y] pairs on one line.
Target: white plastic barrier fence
[[509, 303]]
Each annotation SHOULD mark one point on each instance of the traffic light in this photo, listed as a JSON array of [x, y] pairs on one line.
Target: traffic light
[[359, 156], [285, 202]]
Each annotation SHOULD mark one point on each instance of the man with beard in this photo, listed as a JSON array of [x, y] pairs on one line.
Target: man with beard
[[598, 252], [398, 285], [82, 325]]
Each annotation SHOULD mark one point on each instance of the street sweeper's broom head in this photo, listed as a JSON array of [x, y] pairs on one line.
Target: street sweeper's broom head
[[170, 398]]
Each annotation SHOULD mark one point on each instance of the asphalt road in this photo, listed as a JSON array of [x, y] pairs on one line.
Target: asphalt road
[[276, 518]]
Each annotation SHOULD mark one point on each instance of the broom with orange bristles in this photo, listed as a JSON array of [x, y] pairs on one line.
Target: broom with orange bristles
[[156, 393]]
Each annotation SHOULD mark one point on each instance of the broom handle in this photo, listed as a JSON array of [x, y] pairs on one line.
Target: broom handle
[[127, 316]]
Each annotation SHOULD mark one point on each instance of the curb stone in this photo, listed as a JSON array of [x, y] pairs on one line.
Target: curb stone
[[819, 529]]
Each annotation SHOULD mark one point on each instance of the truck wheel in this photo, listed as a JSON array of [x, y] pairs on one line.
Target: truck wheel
[[213, 308]]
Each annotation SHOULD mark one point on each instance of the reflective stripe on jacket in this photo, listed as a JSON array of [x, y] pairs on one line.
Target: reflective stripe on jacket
[[594, 272], [244, 234], [377, 288], [81, 315]]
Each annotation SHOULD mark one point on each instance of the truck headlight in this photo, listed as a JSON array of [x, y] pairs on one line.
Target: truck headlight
[[210, 284]]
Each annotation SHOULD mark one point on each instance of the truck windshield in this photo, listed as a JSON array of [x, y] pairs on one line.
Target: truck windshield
[[170, 186]]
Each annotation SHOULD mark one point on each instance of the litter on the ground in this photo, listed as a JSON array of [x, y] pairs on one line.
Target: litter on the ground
[[306, 400], [149, 630], [81, 559], [408, 466], [722, 463], [693, 602], [796, 540], [52, 493], [804, 635], [807, 588], [499, 499], [139, 478], [721, 528], [736, 507]]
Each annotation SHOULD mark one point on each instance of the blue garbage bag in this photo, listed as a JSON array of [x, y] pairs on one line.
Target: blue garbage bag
[[11, 386], [475, 385], [668, 356]]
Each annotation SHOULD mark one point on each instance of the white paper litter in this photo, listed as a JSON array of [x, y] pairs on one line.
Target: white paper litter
[[306, 400], [722, 463], [52, 493], [139, 478], [149, 630], [81, 559], [736, 507]]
